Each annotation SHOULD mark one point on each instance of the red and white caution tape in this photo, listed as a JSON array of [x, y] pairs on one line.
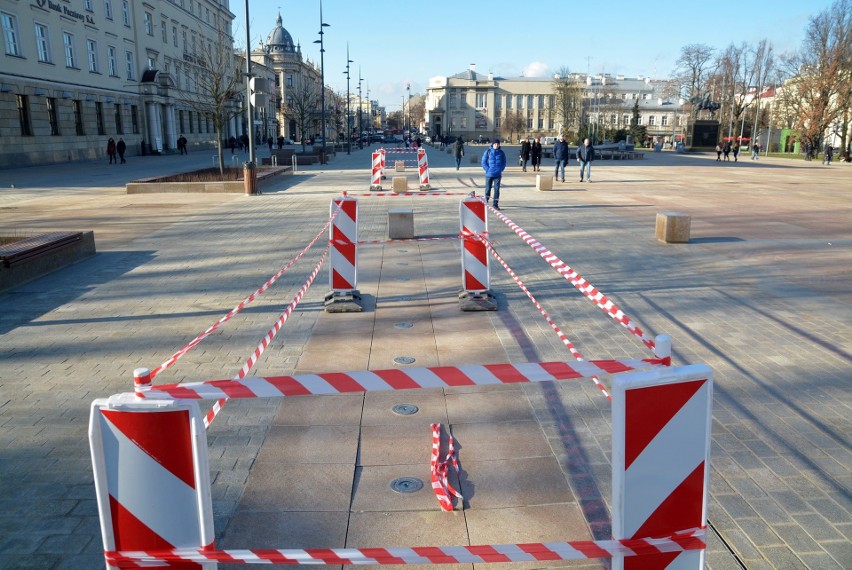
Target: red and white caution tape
[[577, 280], [380, 241], [174, 358], [431, 194], [440, 469], [568, 343], [693, 539], [396, 379]]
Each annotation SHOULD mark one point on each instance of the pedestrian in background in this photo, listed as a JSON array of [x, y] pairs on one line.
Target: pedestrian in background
[[182, 144], [560, 153], [458, 151], [755, 151], [121, 147], [111, 150], [585, 156], [535, 153], [726, 151], [828, 154], [718, 152], [736, 151], [493, 162], [526, 150]]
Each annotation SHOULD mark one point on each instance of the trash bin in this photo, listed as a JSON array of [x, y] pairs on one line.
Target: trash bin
[[250, 178]]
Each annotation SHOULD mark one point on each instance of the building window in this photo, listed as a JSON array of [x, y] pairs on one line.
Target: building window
[[625, 120], [99, 117], [42, 43], [78, 116], [87, 4], [125, 12], [111, 62], [519, 101], [541, 101], [508, 102], [118, 126], [652, 120], [164, 30], [92, 54], [530, 101], [134, 120], [68, 42], [128, 60], [191, 124], [639, 120], [51, 115], [174, 36], [24, 115], [108, 9], [664, 120], [184, 41], [480, 100], [10, 34], [180, 121], [541, 122], [149, 24], [289, 80]]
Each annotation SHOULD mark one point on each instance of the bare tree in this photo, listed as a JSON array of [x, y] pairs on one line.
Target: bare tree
[[693, 68], [568, 99], [513, 122], [217, 82], [303, 105], [818, 88]]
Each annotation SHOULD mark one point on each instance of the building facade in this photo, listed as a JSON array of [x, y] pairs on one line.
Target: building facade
[[75, 73], [476, 106]]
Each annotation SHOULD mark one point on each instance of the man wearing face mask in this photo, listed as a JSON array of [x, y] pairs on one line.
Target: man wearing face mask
[[493, 162]]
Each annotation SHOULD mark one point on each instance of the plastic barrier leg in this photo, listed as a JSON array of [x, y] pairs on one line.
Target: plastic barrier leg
[[343, 259], [476, 267]]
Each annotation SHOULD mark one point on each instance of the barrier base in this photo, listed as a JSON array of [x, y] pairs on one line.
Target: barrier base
[[376, 188], [425, 187], [343, 302], [477, 301]]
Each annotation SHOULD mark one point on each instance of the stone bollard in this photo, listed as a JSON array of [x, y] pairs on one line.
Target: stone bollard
[[401, 224], [543, 182], [400, 184], [673, 227]]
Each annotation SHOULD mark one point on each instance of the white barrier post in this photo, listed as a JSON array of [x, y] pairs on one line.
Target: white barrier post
[[661, 428], [423, 167], [475, 261], [376, 178], [152, 477], [343, 258]]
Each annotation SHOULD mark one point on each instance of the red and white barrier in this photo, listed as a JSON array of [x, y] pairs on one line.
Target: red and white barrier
[[441, 469], [661, 428], [152, 478], [343, 271], [423, 168], [476, 268], [378, 166]]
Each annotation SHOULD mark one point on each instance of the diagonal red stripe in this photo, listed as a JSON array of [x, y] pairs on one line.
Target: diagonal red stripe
[[233, 389], [435, 555], [488, 554], [176, 391], [397, 379], [539, 551], [649, 410], [165, 436], [506, 373], [612, 366], [476, 208], [132, 534], [560, 370], [680, 510], [342, 382], [650, 561], [590, 549], [471, 283], [452, 376], [339, 282], [382, 555], [288, 385]]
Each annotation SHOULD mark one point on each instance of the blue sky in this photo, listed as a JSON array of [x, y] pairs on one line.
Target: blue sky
[[404, 41]]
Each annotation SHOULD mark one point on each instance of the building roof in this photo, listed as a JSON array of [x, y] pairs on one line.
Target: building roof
[[280, 40]]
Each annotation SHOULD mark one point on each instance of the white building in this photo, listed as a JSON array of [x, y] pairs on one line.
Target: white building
[[74, 73]]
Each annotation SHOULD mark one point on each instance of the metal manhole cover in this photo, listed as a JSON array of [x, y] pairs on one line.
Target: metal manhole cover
[[405, 409], [402, 263], [406, 484], [403, 325], [404, 360], [402, 279], [402, 250]]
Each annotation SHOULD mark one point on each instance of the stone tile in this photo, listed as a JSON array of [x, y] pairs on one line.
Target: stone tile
[[493, 407], [513, 483], [372, 491], [378, 407], [331, 409], [396, 444], [310, 444], [285, 487], [278, 530], [500, 440]]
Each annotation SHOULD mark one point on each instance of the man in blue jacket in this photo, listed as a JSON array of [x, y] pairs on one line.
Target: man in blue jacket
[[493, 162], [560, 154]]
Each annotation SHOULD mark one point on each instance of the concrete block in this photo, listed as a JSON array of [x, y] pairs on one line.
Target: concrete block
[[543, 182], [400, 223], [400, 184], [399, 165], [673, 227]]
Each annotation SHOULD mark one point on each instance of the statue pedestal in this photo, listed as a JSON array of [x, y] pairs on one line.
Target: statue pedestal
[[702, 135]]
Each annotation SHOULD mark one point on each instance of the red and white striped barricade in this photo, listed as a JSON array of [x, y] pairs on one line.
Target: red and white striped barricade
[[343, 258], [476, 266], [152, 478], [376, 180], [423, 168], [661, 428]]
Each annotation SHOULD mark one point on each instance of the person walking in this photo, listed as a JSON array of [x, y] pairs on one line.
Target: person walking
[[526, 150], [726, 151], [828, 154], [755, 151], [585, 156], [535, 154], [718, 152], [121, 147], [232, 142], [493, 162], [736, 151], [269, 143], [560, 154], [182, 145], [111, 150], [458, 151]]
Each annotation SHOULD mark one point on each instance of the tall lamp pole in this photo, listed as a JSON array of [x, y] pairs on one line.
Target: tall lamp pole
[[249, 173], [408, 88], [348, 132], [322, 79], [360, 108]]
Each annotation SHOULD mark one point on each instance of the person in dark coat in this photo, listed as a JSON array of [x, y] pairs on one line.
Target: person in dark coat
[[560, 154], [182, 145], [526, 151], [585, 156], [493, 162], [111, 151], [232, 142], [535, 154], [121, 147], [458, 151]]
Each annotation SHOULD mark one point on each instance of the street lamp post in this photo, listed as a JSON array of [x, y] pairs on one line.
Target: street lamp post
[[348, 132], [249, 172], [408, 88], [360, 109], [322, 80]]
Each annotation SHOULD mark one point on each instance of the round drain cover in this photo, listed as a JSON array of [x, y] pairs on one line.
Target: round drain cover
[[404, 299], [402, 250], [404, 360], [406, 485], [402, 263], [402, 278], [404, 325], [405, 409]]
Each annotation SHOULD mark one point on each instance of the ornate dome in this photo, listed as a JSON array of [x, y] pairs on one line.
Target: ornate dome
[[279, 40]]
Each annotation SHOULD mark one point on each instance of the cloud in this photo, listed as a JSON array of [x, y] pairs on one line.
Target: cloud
[[535, 69]]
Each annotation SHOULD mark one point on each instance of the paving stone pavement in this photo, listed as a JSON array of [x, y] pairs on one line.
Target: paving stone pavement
[[761, 294]]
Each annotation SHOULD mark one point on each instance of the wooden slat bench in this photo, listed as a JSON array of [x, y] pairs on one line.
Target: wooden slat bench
[[27, 248]]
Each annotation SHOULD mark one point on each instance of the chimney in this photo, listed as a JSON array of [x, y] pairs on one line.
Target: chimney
[[473, 67]]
